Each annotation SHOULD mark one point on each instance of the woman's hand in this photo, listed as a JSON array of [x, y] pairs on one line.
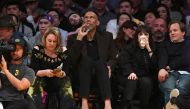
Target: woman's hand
[[132, 76], [49, 73], [60, 74]]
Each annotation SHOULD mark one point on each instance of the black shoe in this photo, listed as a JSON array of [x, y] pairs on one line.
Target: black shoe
[[173, 100]]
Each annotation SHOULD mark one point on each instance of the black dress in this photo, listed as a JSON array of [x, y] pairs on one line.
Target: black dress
[[51, 93]]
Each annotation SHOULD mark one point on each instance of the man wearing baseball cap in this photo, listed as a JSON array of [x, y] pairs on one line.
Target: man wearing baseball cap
[[7, 27]]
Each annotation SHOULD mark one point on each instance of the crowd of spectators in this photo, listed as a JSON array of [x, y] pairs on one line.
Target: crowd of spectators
[[142, 46]]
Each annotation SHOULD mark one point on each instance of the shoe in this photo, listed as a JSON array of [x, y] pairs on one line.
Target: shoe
[[172, 102]]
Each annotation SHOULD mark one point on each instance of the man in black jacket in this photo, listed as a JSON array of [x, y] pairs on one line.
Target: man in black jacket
[[97, 56]]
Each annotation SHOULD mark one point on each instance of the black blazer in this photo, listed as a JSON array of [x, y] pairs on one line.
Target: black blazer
[[105, 43], [175, 55]]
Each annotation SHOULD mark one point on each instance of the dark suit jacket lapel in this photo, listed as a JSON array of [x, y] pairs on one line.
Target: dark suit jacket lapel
[[84, 49], [102, 44]]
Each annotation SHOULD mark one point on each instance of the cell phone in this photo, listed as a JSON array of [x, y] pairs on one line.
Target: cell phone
[[57, 70]]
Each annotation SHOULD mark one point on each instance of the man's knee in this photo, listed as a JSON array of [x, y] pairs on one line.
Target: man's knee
[[145, 81]]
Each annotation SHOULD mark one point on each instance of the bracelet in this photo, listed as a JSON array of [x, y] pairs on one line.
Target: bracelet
[[150, 52]]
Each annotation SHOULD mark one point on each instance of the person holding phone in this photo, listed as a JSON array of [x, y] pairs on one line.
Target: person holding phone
[[51, 65]]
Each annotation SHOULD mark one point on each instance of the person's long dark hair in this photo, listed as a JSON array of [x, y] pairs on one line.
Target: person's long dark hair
[[143, 29], [168, 19], [120, 40]]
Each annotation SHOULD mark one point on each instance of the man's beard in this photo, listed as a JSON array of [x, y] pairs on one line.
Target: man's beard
[[16, 58], [158, 36]]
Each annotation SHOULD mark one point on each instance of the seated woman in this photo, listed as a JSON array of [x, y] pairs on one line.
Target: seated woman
[[136, 63], [51, 65]]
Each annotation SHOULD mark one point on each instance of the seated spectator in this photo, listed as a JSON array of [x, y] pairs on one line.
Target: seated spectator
[[174, 8], [125, 6], [75, 21], [174, 67], [125, 35], [33, 11], [51, 65], [138, 11], [159, 34], [137, 67], [149, 18], [99, 6], [60, 6], [7, 33], [15, 20], [45, 21], [14, 7], [96, 57], [121, 18], [159, 30], [163, 12], [56, 22]]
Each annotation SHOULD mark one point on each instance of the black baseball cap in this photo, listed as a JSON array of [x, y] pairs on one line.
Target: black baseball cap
[[6, 21]]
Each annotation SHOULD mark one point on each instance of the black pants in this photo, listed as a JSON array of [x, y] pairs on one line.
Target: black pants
[[58, 101], [87, 67], [140, 88], [18, 104]]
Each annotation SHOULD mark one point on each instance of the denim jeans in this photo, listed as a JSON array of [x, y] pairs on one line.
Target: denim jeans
[[176, 80]]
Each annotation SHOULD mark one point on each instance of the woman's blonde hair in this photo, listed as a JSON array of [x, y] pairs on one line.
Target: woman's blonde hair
[[56, 32]]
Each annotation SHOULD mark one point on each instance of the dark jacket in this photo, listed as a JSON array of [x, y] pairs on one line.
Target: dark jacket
[[135, 60], [175, 55], [106, 47]]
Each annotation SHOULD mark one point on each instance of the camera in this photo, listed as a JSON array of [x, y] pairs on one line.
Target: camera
[[5, 48]]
